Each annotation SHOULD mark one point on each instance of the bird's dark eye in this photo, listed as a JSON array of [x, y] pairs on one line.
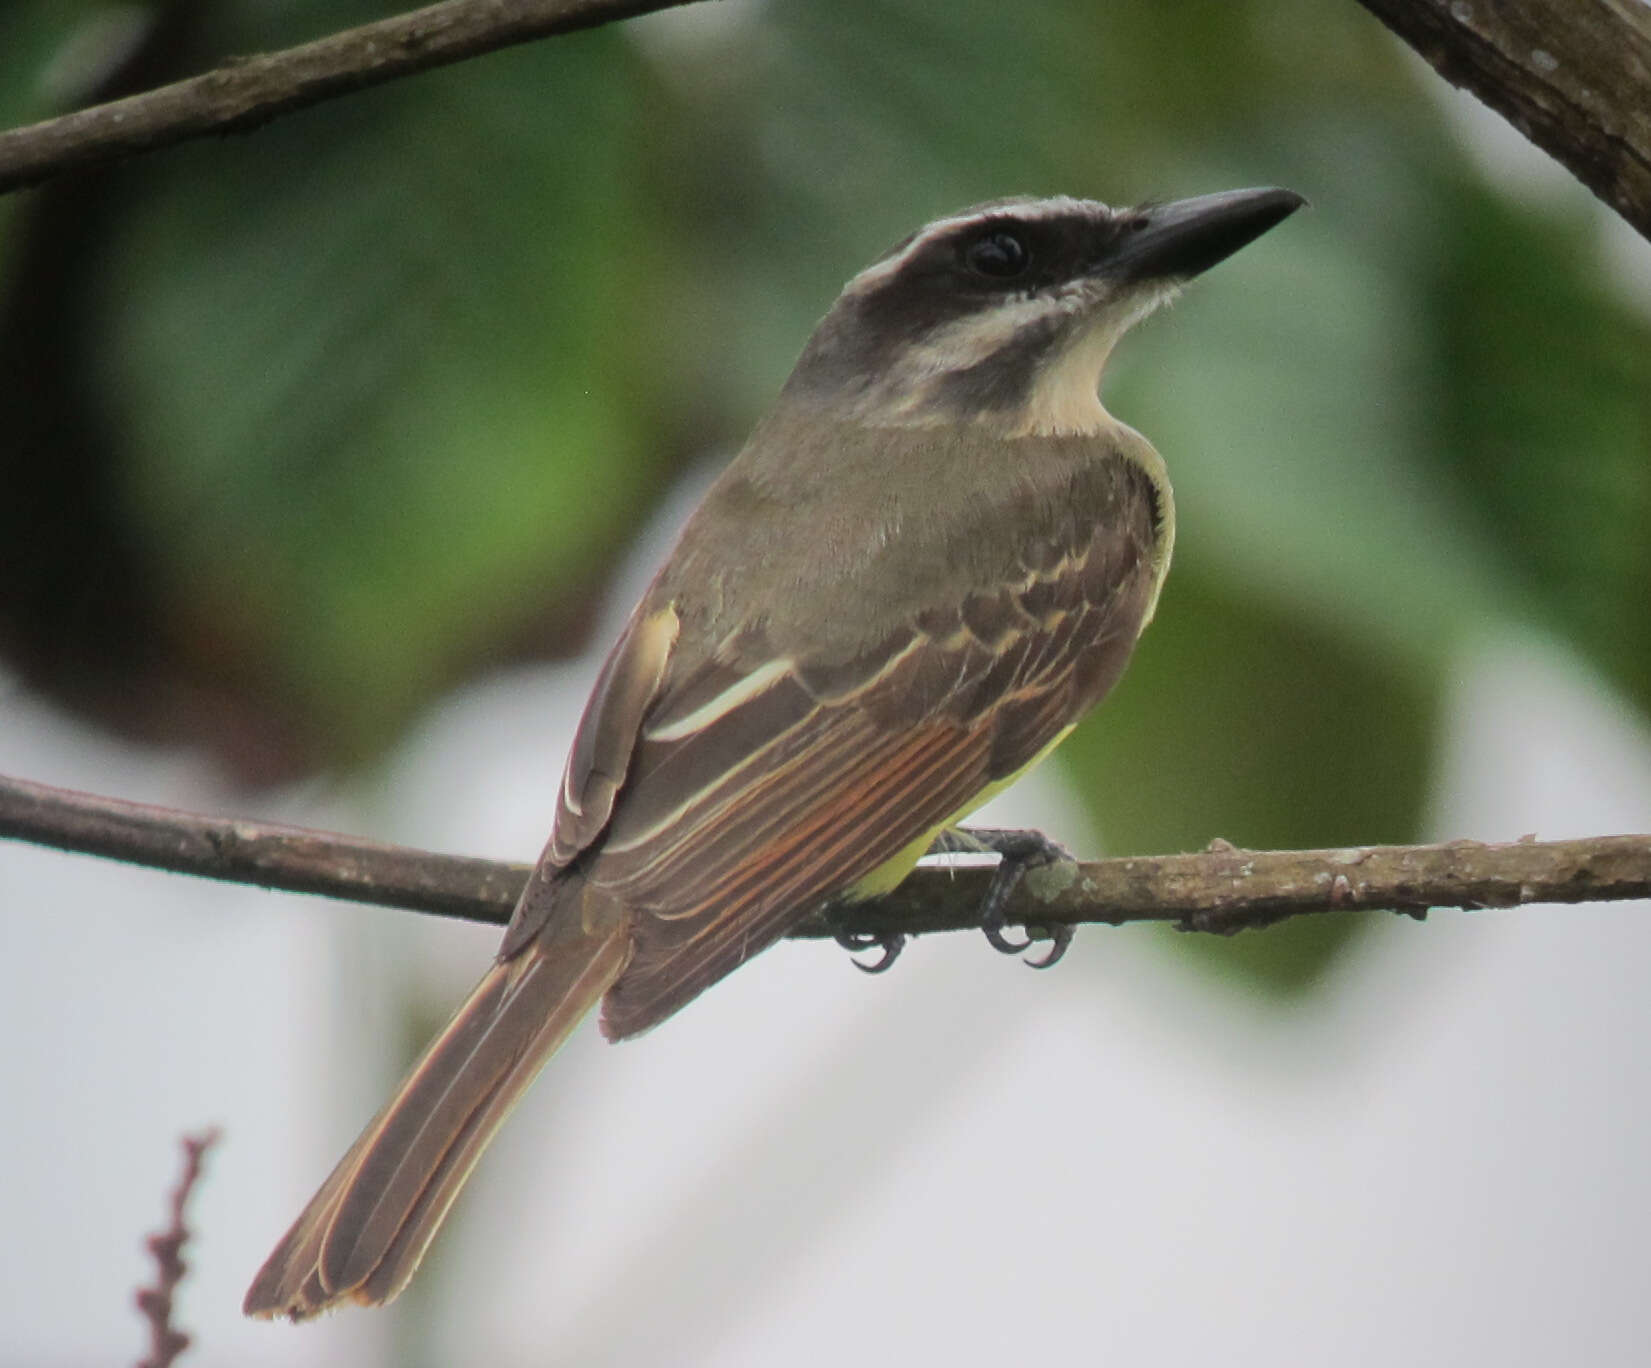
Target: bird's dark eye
[[1001, 255]]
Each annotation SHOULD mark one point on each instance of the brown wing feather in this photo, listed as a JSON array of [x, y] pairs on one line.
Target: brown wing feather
[[731, 830], [598, 766], [599, 760], [859, 827]]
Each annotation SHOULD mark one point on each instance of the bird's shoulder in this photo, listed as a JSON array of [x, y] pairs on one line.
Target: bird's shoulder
[[832, 536]]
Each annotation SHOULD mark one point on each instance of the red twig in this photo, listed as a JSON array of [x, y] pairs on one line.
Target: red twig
[[165, 1341]]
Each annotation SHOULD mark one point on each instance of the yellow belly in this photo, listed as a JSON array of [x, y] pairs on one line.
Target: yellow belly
[[888, 875]]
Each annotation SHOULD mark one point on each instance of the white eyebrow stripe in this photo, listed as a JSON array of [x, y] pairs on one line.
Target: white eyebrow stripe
[[763, 677]]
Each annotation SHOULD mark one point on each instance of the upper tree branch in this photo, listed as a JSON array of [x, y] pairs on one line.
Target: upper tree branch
[[1574, 76], [1222, 889], [253, 90]]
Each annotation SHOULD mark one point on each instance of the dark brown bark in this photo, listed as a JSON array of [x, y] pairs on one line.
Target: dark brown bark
[[1574, 76]]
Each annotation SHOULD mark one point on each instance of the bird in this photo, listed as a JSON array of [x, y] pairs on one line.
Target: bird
[[933, 556]]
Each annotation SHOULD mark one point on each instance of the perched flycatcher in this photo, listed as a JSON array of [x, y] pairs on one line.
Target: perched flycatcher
[[932, 557]]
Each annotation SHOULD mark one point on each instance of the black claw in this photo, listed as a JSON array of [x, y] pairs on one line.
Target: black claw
[[1060, 936], [993, 931], [891, 943], [1018, 852], [1008, 873]]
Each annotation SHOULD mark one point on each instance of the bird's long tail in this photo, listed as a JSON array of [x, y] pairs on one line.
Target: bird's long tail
[[363, 1234]]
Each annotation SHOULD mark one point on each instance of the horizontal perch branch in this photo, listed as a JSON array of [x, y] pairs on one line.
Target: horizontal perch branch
[[1222, 889]]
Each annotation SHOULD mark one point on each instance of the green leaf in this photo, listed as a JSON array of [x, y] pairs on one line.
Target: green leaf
[[383, 376], [1542, 403]]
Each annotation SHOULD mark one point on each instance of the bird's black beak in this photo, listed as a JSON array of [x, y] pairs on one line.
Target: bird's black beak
[[1179, 240]]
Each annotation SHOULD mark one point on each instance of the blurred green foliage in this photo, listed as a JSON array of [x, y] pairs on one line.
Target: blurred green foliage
[[1542, 390], [430, 421], [31, 37], [383, 386]]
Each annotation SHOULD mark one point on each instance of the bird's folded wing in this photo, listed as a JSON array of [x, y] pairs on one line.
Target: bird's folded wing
[[762, 785]]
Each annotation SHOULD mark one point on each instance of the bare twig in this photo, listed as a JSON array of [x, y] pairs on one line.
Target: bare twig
[[253, 90], [1222, 889], [1574, 76], [165, 1341]]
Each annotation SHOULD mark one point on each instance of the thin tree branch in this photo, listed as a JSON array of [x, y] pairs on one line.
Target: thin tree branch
[[1574, 76], [293, 859], [250, 91], [1222, 889]]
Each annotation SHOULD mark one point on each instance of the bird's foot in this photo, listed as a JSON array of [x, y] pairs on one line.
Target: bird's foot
[[891, 943], [1018, 852]]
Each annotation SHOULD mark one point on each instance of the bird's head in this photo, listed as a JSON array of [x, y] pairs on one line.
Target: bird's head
[[1005, 313]]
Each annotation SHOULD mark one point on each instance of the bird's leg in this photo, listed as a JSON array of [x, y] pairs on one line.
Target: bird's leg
[[1017, 852]]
